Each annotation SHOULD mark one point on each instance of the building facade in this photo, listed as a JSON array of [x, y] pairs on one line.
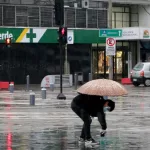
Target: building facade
[[40, 59]]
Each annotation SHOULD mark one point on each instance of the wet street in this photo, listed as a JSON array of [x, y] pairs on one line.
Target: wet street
[[51, 124]]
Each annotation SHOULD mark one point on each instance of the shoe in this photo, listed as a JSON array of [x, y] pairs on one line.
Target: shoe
[[81, 141], [90, 142]]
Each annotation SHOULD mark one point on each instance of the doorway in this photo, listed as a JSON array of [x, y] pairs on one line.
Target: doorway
[[100, 64]]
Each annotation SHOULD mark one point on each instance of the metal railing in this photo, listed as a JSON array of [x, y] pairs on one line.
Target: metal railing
[[43, 16]]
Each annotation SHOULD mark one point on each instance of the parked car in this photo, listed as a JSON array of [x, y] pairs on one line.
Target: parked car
[[141, 74]]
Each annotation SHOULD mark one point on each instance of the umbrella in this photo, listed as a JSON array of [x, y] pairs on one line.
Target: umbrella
[[102, 87]]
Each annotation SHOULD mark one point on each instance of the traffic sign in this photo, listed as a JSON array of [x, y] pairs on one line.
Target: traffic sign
[[110, 33], [70, 37], [110, 47]]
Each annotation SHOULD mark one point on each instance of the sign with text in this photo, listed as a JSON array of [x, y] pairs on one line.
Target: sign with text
[[129, 34], [110, 33], [110, 47], [70, 37]]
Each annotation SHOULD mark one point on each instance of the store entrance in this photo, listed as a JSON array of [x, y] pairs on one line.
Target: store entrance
[[101, 64]]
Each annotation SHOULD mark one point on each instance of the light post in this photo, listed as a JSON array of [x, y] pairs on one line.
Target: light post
[[110, 27]]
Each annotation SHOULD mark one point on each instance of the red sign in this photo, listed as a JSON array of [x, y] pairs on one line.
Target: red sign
[[110, 47], [111, 42]]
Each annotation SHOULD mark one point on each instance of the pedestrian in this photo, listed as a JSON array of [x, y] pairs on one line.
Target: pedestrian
[[87, 106]]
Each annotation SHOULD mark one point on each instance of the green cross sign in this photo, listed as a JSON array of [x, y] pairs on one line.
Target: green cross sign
[[31, 35]]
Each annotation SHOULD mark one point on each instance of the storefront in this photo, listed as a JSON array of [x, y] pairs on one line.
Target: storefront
[[125, 58], [35, 51], [121, 62]]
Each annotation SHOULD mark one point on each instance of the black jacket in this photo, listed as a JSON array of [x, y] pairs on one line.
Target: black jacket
[[93, 105]]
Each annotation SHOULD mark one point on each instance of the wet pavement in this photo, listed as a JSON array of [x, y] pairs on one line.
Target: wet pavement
[[51, 124]]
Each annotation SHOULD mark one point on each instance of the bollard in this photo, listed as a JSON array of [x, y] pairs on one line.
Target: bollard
[[90, 76], [75, 81], [28, 82], [11, 88], [43, 93], [32, 98], [52, 86]]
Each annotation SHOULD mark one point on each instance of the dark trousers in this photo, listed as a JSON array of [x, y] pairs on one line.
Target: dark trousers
[[86, 133]]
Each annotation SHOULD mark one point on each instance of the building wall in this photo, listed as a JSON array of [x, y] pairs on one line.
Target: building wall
[[125, 16], [43, 16], [144, 16]]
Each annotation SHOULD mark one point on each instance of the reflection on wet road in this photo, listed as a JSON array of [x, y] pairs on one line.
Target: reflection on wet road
[[51, 124]]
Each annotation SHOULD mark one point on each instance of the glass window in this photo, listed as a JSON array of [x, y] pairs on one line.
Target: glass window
[[118, 24], [94, 45], [101, 62], [27, 1], [134, 17], [101, 44], [119, 62], [134, 9], [113, 24], [138, 67], [126, 24], [119, 17], [117, 9], [125, 16], [134, 24], [119, 43], [126, 9], [125, 43], [113, 16]]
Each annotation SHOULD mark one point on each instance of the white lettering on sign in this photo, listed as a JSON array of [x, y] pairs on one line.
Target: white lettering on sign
[[3, 36], [120, 32]]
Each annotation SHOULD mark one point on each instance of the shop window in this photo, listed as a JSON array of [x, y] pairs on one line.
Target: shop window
[[101, 63], [125, 44], [119, 43], [119, 62]]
